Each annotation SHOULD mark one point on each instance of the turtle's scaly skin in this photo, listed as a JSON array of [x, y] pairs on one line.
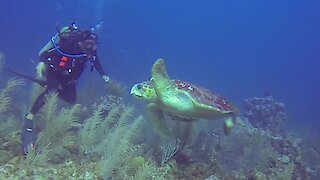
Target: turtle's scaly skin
[[179, 99]]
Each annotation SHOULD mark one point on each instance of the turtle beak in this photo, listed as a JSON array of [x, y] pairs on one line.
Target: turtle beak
[[133, 92], [138, 96]]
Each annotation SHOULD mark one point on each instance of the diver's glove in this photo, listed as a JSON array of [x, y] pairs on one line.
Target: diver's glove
[[27, 135], [40, 69], [106, 78]]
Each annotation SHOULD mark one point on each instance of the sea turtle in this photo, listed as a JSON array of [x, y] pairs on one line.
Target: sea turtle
[[180, 100]]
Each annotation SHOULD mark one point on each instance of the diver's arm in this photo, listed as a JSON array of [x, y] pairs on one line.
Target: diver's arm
[[43, 54], [48, 46], [98, 67], [40, 68]]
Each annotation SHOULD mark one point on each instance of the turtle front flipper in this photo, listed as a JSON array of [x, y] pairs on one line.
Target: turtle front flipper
[[161, 79], [172, 100], [158, 122]]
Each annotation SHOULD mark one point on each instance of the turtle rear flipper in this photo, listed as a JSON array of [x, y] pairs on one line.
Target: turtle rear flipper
[[227, 126], [158, 122]]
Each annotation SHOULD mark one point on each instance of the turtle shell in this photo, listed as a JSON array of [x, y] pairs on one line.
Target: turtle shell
[[204, 96]]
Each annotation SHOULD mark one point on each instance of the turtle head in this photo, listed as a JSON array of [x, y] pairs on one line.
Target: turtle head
[[145, 91]]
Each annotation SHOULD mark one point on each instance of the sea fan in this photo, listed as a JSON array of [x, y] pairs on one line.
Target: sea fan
[[59, 125], [5, 98], [119, 142], [145, 171], [109, 137]]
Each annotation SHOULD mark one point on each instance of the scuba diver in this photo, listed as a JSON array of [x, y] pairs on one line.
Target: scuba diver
[[62, 61]]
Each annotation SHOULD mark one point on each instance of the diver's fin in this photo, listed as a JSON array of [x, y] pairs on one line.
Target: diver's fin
[[41, 82]]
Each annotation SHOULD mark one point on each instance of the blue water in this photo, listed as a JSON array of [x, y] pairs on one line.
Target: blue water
[[240, 49]]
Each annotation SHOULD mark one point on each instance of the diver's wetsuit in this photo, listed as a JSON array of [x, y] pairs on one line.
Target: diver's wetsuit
[[64, 67]]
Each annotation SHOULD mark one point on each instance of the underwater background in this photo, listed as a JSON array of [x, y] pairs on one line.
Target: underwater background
[[240, 49]]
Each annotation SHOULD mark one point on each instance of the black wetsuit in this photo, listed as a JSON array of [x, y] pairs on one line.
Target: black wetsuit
[[64, 69]]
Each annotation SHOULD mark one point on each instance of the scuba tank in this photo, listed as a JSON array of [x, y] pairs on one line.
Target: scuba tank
[[67, 35]]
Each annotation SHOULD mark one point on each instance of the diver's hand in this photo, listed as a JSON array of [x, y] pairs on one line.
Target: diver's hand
[[106, 78], [40, 69]]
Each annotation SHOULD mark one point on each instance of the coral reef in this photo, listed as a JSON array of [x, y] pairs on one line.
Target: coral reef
[[169, 149], [265, 113], [106, 103], [8, 125], [112, 152], [5, 98], [105, 141], [54, 124], [116, 88], [251, 153]]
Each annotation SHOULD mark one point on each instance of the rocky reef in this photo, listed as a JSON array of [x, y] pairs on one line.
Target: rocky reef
[[107, 140], [265, 113]]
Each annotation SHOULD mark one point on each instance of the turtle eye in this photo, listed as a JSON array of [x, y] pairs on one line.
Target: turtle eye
[[139, 86]]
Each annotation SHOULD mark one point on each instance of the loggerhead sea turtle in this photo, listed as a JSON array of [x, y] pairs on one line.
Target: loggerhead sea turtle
[[180, 100]]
